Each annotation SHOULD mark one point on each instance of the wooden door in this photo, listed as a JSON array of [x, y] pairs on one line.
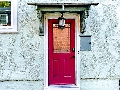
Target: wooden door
[[61, 52]]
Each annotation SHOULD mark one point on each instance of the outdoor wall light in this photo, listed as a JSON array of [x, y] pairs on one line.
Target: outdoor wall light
[[61, 22]]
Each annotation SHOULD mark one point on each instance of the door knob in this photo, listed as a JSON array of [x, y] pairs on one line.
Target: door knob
[[73, 57]]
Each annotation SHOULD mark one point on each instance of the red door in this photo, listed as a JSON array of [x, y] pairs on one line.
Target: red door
[[61, 52]]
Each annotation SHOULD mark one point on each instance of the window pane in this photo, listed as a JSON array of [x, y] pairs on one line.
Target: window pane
[[61, 39], [3, 16]]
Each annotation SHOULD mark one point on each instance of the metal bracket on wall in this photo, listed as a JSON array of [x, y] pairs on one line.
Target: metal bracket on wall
[[85, 42]]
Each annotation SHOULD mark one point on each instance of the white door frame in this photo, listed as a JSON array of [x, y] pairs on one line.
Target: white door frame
[[77, 46]]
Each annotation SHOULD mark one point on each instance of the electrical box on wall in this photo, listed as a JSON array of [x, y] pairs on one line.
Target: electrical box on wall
[[85, 42]]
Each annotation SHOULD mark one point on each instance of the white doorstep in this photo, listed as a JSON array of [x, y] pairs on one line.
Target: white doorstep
[[61, 87]]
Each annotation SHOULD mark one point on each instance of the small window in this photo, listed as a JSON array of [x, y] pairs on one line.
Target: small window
[[8, 16]]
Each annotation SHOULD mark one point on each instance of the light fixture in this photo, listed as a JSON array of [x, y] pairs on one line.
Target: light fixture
[[61, 22]]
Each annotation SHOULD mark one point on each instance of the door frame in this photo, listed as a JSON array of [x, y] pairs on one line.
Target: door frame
[[77, 45]]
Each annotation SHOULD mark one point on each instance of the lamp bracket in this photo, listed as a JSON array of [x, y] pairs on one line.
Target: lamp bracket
[[39, 14]]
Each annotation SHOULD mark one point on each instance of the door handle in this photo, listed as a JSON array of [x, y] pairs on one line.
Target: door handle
[[73, 56], [73, 49]]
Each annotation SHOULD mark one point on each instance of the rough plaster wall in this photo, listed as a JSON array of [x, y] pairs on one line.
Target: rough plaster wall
[[99, 84], [21, 55], [29, 85], [104, 58]]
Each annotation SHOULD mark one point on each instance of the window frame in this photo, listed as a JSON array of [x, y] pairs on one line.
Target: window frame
[[13, 27]]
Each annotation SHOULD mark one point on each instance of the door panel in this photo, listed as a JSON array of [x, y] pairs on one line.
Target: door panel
[[61, 57], [56, 68]]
